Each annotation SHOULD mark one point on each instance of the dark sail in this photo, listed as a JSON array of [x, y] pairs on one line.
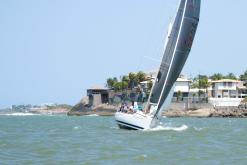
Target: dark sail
[[177, 50]]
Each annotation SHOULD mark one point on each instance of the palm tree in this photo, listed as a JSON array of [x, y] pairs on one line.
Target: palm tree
[[140, 76], [179, 94], [203, 84], [231, 76], [243, 77], [132, 80], [111, 82]]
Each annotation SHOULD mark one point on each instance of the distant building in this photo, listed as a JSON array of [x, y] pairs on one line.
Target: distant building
[[226, 92], [182, 87], [97, 95], [227, 88], [144, 85]]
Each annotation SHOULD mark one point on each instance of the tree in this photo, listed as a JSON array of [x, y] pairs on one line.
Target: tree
[[243, 77], [140, 76], [125, 79], [217, 76], [117, 86], [230, 76], [203, 84], [110, 82], [132, 80], [195, 83], [124, 85], [179, 94], [150, 85], [115, 79]]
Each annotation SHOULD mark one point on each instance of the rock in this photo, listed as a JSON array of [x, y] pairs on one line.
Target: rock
[[102, 110]]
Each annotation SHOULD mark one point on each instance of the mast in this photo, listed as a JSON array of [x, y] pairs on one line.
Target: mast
[[176, 52]]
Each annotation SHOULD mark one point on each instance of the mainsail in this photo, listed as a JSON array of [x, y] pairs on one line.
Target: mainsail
[[178, 46]]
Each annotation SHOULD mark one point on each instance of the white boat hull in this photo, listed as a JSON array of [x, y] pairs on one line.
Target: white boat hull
[[136, 121]]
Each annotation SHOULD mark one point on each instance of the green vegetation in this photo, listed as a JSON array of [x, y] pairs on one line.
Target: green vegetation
[[127, 81], [216, 76], [150, 84], [56, 106], [219, 76], [28, 107], [243, 77], [230, 76], [111, 82], [179, 95], [140, 76], [201, 81], [132, 80], [203, 84], [245, 100]]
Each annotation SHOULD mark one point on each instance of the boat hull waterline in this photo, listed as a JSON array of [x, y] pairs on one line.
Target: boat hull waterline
[[136, 121]]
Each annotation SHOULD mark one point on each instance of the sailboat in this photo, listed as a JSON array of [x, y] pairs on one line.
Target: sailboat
[[178, 44]]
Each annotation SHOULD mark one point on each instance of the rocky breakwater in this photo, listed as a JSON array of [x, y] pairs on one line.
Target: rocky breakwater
[[208, 112], [81, 109], [230, 112]]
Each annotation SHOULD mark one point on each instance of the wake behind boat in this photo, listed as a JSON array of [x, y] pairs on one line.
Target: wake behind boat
[[177, 47]]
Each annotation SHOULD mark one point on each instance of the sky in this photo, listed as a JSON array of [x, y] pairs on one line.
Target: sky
[[51, 51]]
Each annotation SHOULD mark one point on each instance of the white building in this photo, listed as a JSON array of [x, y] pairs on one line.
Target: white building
[[182, 86], [227, 88], [226, 92]]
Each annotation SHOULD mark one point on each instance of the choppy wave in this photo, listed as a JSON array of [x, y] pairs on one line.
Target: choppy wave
[[169, 128], [19, 114]]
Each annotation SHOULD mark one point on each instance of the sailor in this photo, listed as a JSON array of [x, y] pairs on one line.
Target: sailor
[[136, 108], [121, 108], [125, 108], [131, 109]]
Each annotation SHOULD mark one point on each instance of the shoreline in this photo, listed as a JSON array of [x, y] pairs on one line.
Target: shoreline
[[206, 113], [109, 110]]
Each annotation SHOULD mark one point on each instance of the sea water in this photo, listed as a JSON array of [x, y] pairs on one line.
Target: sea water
[[57, 140]]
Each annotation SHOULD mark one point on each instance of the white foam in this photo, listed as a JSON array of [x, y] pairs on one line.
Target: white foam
[[76, 127], [142, 156], [92, 115], [169, 128], [19, 114], [198, 129]]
